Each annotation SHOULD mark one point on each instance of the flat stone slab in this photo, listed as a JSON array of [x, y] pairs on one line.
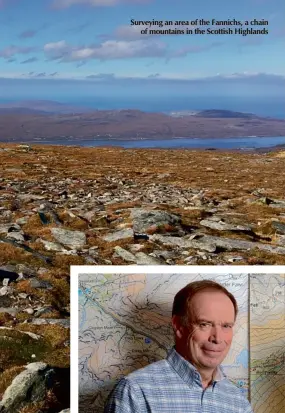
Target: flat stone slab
[[185, 242], [144, 259], [232, 244], [116, 236], [223, 226], [124, 254], [72, 239], [145, 219], [59, 321]]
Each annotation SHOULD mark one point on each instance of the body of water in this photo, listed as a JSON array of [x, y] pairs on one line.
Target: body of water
[[246, 143]]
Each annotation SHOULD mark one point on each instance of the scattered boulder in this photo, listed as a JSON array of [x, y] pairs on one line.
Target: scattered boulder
[[72, 239], [124, 254], [279, 227], [223, 226], [147, 221], [29, 386], [118, 235]]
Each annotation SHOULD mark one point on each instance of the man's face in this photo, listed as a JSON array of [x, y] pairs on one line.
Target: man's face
[[207, 337]]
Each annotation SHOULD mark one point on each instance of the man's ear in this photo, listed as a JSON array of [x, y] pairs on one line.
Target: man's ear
[[178, 328]]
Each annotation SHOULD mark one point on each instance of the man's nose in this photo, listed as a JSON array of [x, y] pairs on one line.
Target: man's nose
[[216, 335]]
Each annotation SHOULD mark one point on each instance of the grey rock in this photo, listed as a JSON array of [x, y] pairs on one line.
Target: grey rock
[[118, 235], [23, 295], [5, 290], [223, 226], [29, 310], [90, 261], [26, 271], [165, 254], [65, 411], [278, 205], [35, 283], [72, 239], [184, 242], [236, 244], [234, 259], [264, 200], [124, 254], [144, 259], [10, 310], [30, 197], [59, 321], [93, 252], [53, 246], [6, 228], [143, 219], [29, 386], [22, 221], [44, 310], [136, 247], [18, 236], [32, 335], [279, 227]]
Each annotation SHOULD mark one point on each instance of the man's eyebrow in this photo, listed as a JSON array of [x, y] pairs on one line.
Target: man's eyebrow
[[203, 320]]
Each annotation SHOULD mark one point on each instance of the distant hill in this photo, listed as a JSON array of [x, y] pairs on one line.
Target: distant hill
[[133, 124], [23, 111], [42, 106], [218, 113]]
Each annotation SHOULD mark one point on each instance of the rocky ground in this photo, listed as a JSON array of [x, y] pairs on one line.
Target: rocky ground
[[62, 206]]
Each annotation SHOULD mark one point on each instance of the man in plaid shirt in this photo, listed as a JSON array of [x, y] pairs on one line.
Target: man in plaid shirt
[[190, 379]]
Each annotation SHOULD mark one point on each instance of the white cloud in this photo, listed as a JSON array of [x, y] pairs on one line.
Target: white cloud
[[12, 50], [119, 49], [57, 50], [110, 49]]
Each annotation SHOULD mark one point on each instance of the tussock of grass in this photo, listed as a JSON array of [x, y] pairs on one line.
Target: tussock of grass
[[5, 318], [56, 335], [8, 376], [17, 348], [35, 228], [63, 262], [36, 407], [14, 255]]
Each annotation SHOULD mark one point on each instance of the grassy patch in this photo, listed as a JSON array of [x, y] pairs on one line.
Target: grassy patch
[[17, 348]]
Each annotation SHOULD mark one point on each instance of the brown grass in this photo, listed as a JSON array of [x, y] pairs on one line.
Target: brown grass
[[8, 376]]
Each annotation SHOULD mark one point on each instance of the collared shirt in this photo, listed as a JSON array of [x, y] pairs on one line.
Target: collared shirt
[[174, 385]]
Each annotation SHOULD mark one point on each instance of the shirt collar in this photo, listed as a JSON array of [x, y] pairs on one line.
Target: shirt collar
[[188, 372]]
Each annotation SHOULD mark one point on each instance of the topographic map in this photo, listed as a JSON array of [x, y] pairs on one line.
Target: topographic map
[[124, 324], [267, 343]]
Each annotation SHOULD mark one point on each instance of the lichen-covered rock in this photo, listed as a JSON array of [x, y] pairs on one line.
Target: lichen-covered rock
[[29, 386]]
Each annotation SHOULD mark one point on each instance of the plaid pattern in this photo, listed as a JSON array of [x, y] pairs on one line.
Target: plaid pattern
[[173, 385]]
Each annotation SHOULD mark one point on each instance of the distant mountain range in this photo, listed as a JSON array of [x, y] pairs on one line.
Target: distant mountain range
[[39, 120], [41, 106], [213, 113]]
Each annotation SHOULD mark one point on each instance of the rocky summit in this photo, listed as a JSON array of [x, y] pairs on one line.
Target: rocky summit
[[62, 206]]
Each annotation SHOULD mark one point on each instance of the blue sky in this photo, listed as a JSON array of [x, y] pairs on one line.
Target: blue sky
[[53, 48]]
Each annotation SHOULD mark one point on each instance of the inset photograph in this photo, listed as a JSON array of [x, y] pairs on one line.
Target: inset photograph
[[178, 341]]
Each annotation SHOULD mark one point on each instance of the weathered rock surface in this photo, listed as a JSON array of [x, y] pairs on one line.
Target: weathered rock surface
[[28, 386], [147, 221], [118, 235], [72, 239]]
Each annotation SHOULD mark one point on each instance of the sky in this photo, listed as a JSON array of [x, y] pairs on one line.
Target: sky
[[55, 49]]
